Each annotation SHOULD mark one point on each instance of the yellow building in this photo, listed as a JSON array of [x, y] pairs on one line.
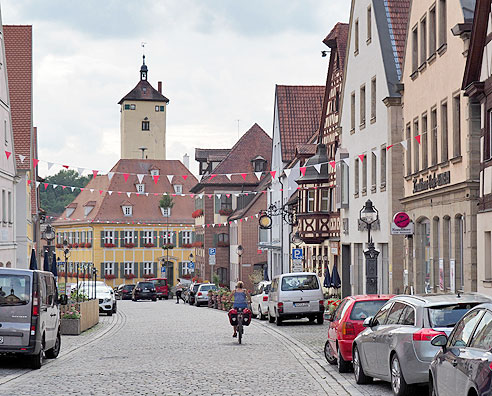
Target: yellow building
[[116, 224]]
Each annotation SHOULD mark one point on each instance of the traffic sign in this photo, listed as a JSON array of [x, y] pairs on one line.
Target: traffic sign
[[191, 265], [296, 265], [211, 251], [163, 269], [296, 254], [401, 224], [211, 260]]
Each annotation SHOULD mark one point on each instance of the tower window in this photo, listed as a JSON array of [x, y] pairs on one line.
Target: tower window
[[133, 107], [127, 210], [161, 108], [154, 172], [156, 108], [145, 125], [127, 107]]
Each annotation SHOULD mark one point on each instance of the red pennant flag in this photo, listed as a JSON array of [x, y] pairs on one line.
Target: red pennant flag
[[156, 178], [387, 148], [64, 187], [8, 154], [35, 162], [228, 195], [240, 220], [65, 166], [119, 192], [29, 182], [81, 189], [303, 170], [155, 194], [209, 195], [192, 195], [333, 164], [94, 173], [45, 186], [361, 157], [126, 176], [212, 176], [243, 175], [273, 174], [185, 177], [100, 192], [417, 138]]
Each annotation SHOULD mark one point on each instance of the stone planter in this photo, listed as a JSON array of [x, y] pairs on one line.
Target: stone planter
[[70, 326]]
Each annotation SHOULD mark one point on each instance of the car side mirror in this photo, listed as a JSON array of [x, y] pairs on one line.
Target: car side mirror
[[63, 299], [368, 322], [440, 341]]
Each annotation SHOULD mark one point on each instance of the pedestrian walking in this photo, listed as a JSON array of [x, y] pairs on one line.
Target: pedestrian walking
[[179, 291]]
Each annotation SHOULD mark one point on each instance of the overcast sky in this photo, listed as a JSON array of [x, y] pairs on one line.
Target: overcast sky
[[219, 61]]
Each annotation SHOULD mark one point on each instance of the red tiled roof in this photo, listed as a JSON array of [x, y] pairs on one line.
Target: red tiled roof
[[338, 37], [145, 208], [18, 52], [306, 149], [398, 13], [144, 91], [299, 112]]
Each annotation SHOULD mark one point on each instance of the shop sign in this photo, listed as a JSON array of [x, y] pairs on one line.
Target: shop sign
[[431, 182], [334, 248], [401, 224]]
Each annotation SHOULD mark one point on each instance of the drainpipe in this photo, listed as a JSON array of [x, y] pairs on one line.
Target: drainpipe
[[281, 225]]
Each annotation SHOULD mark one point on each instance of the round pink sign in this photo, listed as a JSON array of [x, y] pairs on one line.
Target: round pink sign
[[401, 219]]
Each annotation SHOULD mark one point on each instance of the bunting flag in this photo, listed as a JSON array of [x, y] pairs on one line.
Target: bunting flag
[[94, 173], [156, 178], [243, 175], [37, 184], [333, 164], [21, 158], [29, 182], [55, 185], [8, 154], [140, 178], [388, 147], [100, 192], [35, 162], [110, 192], [73, 188], [50, 165], [185, 177], [212, 176], [219, 195], [45, 186], [258, 175], [287, 172], [361, 157], [404, 144], [273, 173], [318, 168], [80, 170], [110, 175], [65, 166], [303, 170], [417, 138], [228, 175], [128, 194], [126, 176], [346, 161], [91, 190]]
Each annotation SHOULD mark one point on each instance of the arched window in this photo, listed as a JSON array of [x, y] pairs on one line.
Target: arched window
[[423, 255], [459, 229]]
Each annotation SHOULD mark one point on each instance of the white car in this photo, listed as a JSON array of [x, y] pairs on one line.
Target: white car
[[202, 293], [105, 295], [259, 299]]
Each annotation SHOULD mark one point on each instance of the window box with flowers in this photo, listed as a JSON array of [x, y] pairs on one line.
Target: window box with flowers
[[149, 276], [109, 245], [225, 212], [197, 244], [149, 245], [222, 244], [88, 245], [110, 276], [61, 274], [129, 245], [70, 245], [75, 245], [70, 274], [168, 246], [59, 245], [129, 276], [187, 245], [197, 213]]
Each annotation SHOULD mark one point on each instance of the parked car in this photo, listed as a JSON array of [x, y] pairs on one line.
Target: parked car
[[144, 290], [124, 291], [30, 315], [190, 292], [463, 366], [259, 299], [161, 287], [346, 324], [105, 295], [201, 296], [396, 345], [294, 296]]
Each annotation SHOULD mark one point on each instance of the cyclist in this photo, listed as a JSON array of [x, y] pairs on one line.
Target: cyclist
[[241, 298]]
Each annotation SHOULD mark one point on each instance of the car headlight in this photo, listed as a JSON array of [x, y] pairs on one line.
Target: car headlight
[[106, 300]]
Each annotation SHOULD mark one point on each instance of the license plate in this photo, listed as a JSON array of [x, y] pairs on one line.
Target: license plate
[[1, 340], [146, 290], [303, 304]]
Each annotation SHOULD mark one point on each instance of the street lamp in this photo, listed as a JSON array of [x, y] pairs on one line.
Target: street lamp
[[49, 235], [66, 253], [240, 251], [370, 215], [296, 239]]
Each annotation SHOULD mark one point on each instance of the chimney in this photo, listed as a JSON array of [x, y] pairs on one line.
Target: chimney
[[159, 86], [186, 161]]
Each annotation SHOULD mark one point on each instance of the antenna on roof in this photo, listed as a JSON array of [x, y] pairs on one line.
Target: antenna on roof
[[238, 128]]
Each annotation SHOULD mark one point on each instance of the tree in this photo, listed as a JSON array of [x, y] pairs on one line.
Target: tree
[[166, 202], [54, 200]]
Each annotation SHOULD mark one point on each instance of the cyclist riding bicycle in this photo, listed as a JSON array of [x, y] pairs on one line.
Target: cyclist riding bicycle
[[241, 299]]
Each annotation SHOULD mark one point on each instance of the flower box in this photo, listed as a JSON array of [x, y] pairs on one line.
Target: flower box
[[197, 213], [187, 245], [59, 245], [70, 245], [149, 276], [197, 244], [70, 326], [129, 245], [61, 274], [222, 244], [149, 245], [88, 245], [109, 245], [109, 276], [129, 276], [169, 246], [225, 212]]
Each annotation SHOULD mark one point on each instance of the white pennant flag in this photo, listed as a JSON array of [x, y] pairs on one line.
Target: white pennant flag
[[91, 190], [37, 184], [128, 194], [375, 152], [146, 194], [318, 168], [110, 192], [22, 158], [346, 160], [228, 175], [73, 188], [203, 225], [256, 215], [80, 170], [55, 185], [110, 175], [225, 224], [219, 195], [287, 172], [246, 218], [200, 196], [50, 164], [213, 225], [170, 178], [236, 195], [404, 144], [235, 221], [258, 175], [140, 178]]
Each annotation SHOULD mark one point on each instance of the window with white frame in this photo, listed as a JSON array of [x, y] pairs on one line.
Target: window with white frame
[[70, 237], [65, 236], [167, 237], [325, 200], [178, 189], [128, 268], [76, 237], [128, 236], [88, 209], [109, 269], [186, 235], [166, 212], [127, 210], [148, 237], [147, 268], [154, 172], [140, 188], [89, 236], [109, 237], [83, 236], [186, 269], [310, 203]]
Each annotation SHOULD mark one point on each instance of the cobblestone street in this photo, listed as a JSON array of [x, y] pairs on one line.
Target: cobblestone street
[[161, 348]]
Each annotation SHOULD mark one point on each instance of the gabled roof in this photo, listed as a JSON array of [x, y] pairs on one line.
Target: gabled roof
[[253, 143], [144, 91], [299, 113], [18, 53], [337, 38], [145, 207]]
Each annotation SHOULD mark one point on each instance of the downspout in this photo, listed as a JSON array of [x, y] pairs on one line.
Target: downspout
[[281, 225]]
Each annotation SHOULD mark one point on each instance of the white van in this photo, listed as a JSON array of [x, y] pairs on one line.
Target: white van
[[296, 295]]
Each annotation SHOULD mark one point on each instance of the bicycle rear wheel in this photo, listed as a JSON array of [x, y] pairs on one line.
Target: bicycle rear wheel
[[240, 334]]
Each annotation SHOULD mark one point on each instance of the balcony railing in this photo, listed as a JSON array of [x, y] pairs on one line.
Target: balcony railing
[[315, 227]]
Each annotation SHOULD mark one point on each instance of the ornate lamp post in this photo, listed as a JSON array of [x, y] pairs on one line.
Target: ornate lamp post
[[66, 253], [240, 251], [370, 215]]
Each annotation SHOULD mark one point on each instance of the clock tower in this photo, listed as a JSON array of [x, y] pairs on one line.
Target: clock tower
[[143, 120]]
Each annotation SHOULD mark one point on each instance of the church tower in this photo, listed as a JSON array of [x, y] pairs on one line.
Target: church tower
[[143, 120]]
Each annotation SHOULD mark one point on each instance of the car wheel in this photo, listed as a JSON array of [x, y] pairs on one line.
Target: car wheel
[[278, 320], [342, 364], [36, 361], [398, 383], [320, 319], [166, 298], [114, 308], [311, 319], [360, 376], [271, 319], [154, 299], [432, 390], [260, 314], [53, 352], [329, 353]]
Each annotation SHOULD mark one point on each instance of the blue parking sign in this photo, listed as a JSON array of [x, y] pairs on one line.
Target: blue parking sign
[[191, 265], [163, 269], [297, 254], [211, 251]]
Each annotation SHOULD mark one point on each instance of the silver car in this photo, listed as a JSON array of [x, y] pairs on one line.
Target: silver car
[[396, 344]]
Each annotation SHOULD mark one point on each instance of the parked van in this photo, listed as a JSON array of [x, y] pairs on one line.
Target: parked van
[[296, 295], [29, 315]]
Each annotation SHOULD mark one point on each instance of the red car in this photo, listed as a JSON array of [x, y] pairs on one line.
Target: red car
[[346, 324], [161, 287]]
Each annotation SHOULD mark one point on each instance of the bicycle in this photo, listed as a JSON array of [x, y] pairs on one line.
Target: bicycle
[[239, 327]]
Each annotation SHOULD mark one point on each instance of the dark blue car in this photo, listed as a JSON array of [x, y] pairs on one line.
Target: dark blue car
[[464, 364]]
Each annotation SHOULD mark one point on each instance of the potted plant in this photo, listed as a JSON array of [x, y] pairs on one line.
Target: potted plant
[[70, 321], [109, 276], [88, 245], [149, 276], [187, 245], [129, 276], [168, 246], [149, 245], [109, 245], [75, 245], [222, 244], [129, 245], [197, 213]]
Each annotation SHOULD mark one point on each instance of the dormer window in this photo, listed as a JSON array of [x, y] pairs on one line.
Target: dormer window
[[178, 189], [259, 163], [70, 211], [154, 172], [87, 210], [140, 188], [127, 210]]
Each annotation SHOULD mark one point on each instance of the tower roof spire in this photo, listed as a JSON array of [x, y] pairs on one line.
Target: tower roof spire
[[143, 69]]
